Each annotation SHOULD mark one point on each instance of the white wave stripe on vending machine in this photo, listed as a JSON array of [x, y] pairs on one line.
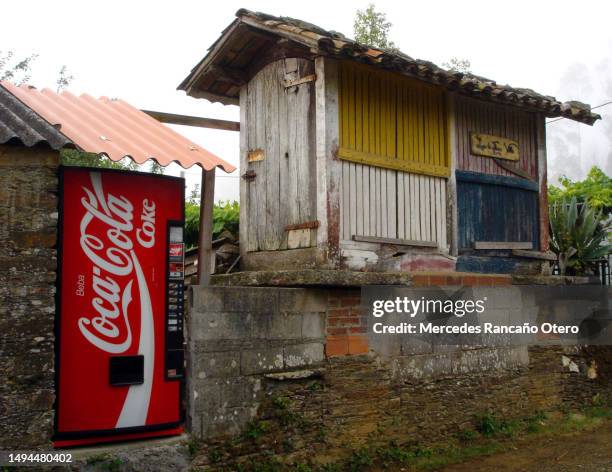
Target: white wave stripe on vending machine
[[120, 260]]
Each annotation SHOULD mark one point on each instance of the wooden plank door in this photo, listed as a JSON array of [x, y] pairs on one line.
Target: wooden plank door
[[280, 153]]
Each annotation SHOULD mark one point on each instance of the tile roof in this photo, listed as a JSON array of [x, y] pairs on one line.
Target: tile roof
[[114, 128], [253, 34], [19, 123]]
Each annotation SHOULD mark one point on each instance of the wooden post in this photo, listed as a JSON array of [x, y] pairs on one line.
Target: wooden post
[[451, 194], [206, 226], [543, 183], [327, 164]]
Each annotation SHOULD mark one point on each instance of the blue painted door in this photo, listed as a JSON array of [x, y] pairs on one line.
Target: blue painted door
[[496, 208]]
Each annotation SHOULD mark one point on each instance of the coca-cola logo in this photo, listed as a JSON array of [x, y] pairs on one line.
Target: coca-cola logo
[[115, 264]]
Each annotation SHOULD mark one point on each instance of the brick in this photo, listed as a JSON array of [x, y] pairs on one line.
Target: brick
[[420, 280], [358, 344], [339, 312], [350, 301], [336, 346], [453, 279], [469, 280], [334, 331], [438, 280], [333, 302], [358, 329], [484, 281], [500, 281]]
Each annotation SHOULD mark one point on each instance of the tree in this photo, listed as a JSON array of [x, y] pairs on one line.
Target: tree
[[456, 64], [64, 79], [16, 71], [372, 28], [595, 190]]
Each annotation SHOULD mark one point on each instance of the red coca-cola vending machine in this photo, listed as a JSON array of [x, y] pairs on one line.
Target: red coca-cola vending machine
[[120, 356]]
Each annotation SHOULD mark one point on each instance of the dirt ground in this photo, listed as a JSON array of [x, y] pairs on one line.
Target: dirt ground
[[586, 451]]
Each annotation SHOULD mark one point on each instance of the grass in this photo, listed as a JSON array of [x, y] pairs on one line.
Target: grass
[[491, 435]]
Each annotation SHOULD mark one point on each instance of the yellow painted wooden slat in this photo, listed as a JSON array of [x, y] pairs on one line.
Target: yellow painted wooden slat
[[344, 108], [433, 129], [400, 121], [386, 117], [358, 114], [351, 109], [387, 163], [383, 116]]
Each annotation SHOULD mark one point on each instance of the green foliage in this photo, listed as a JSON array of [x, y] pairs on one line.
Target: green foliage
[[489, 425], [72, 157], [360, 460], [254, 430], [372, 28], [578, 235], [596, 190], [456, 64], [226, 216]]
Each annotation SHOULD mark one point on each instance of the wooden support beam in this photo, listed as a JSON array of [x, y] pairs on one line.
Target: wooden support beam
[[485, 245], [545, 256], [205, 253], [398, 242], [452, 218], [228, 75], [198, 121], [543, 184]]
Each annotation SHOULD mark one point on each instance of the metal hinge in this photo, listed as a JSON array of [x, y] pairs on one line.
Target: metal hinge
[[249, 175]]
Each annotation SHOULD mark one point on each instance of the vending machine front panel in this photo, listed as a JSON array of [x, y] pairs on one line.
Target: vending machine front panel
[[120, 366]]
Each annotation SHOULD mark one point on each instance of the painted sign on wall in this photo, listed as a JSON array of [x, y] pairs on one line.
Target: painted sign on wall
[[494, 146]]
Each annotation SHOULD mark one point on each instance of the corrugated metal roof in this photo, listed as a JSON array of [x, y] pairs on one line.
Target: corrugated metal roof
[[20, 123], [236, 53], [115, 128]]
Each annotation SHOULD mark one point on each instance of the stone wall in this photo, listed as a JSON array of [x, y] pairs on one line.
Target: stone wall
[[28, 226], [290, 373], [240, 337]]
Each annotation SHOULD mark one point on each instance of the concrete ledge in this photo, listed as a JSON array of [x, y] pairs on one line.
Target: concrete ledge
[[310, 278]]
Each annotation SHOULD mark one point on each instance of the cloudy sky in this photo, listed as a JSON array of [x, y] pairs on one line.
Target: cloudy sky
[[140, 51]]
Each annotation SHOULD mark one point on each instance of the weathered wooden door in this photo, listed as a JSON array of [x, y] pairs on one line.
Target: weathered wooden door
[[278, 161]]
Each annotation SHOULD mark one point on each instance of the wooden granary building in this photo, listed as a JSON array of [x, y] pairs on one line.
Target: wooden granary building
[[354, 157]]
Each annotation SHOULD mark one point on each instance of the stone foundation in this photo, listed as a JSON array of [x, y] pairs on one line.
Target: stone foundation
[[294, 372]]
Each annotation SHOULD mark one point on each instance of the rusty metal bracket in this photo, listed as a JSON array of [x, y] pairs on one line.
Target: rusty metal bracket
[[249, 175]]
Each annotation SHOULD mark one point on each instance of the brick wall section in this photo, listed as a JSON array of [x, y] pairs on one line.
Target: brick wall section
[[28, 225], [346, 324]]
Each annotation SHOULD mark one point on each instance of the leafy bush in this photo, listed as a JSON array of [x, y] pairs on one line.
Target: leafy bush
[[596, 190], [579, 236], [226, 216]]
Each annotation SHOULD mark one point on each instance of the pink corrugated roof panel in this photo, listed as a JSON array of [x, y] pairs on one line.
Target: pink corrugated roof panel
[[115, 128]]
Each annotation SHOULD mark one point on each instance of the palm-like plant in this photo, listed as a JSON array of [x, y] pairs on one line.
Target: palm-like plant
[[579, 236]]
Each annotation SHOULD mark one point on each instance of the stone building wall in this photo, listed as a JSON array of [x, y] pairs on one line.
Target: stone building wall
[[28, 233]]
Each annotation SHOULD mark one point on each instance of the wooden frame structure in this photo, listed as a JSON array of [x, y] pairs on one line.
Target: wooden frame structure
[[364, 159]]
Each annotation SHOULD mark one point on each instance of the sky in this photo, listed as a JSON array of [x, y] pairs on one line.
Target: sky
[[140, 52]]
